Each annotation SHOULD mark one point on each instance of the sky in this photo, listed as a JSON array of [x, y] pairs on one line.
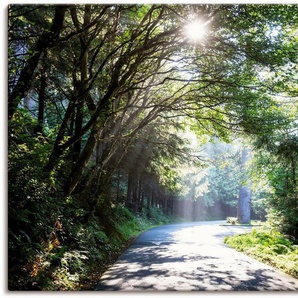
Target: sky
[[3, 148]]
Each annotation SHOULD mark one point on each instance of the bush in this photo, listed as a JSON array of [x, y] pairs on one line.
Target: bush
[[158, 217], [269, 246], [53, 245]]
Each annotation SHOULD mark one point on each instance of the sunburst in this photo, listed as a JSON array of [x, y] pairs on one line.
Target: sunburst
[[196, 30]]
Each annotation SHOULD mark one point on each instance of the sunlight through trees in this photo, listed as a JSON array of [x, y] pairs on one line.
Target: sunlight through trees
[[100, 101]]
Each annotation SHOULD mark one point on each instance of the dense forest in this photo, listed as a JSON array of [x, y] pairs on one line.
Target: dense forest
[[122, 113]]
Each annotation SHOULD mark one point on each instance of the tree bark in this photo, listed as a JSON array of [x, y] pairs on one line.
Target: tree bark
[[79, 167], [58, 149], [244, 201], [42, 97], [84, 77]]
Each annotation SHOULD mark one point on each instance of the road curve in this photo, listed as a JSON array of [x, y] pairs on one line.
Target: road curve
[[191, 257]]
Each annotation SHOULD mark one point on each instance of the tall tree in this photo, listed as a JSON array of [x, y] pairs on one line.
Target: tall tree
[[244, 200]]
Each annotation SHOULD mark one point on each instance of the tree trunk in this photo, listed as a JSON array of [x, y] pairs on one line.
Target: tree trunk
[[78, 124], [244, 201], [82, 85], [58, 150], [42, 96], [128, 201], [141, 194], [79, 167]]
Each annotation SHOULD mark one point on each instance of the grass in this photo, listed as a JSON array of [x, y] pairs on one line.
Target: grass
[[268, 246]]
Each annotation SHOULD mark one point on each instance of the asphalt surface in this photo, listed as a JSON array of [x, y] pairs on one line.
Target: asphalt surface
[[191, 257]]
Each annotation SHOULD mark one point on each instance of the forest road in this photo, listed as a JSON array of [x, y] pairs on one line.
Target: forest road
[[191, 257]]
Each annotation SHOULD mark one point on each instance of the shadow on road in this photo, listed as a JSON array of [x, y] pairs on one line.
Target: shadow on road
[[158, 268], [189, 259]]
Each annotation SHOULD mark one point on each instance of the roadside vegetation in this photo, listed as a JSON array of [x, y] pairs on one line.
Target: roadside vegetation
[[268, 246], [76, 255]]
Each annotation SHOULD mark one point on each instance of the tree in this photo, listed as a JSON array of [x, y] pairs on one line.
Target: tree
[[244, 201], [277, 155], [223, 182]]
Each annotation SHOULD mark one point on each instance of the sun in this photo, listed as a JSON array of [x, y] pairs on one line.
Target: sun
[[196, 30]]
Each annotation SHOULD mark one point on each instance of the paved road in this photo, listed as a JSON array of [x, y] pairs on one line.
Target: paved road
[[191, 257]]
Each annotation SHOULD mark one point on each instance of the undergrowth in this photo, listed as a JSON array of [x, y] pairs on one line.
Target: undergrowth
[[268, 246], [74, 255]]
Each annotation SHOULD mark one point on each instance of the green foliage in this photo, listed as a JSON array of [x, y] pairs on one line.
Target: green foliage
[[73, 251], [158, 217], [125, 222], [224, 174], [269, 246], [277, 159], [219, 180]]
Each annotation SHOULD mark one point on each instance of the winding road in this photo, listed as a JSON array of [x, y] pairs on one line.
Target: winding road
[[191, 257]]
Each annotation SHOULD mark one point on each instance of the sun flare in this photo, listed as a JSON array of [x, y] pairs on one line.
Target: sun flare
[[196, 30]]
